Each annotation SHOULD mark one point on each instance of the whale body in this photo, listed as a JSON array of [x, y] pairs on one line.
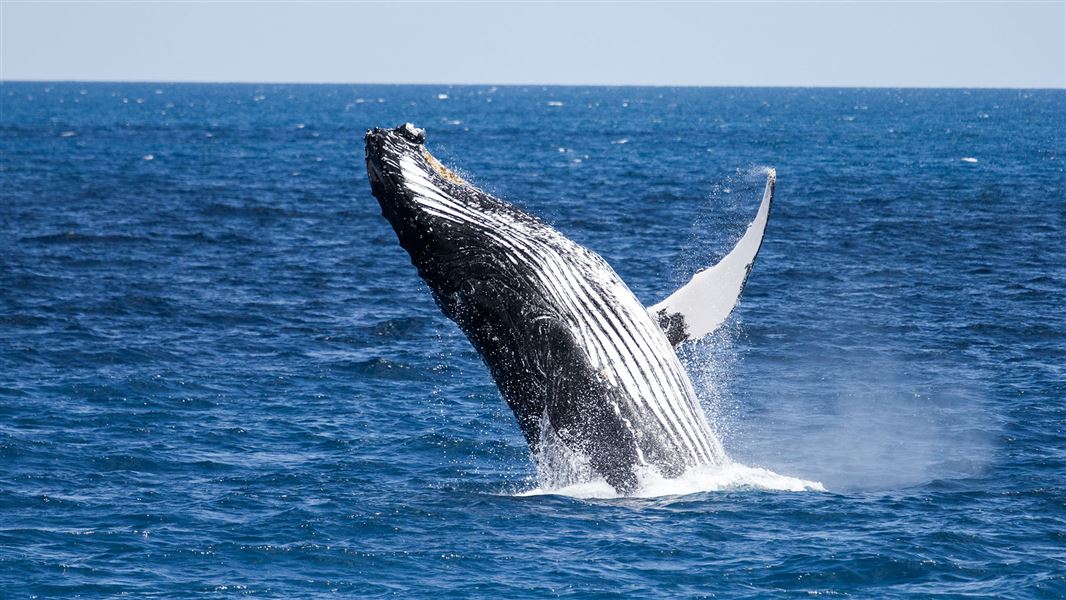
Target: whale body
[[569, 346]]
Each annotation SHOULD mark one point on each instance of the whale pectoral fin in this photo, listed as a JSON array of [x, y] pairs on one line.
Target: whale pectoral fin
[[701, 306]]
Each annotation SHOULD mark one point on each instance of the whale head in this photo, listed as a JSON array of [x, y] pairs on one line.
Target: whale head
[[454, 232], [423, 201]]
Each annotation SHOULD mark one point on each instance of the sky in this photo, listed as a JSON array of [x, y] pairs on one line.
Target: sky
[[904, 44]]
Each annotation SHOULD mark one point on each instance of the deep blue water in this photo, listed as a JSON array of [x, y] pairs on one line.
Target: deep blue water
[[220, 375]]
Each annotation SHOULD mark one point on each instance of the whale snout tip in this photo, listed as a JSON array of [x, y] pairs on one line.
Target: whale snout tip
[[373, 135]]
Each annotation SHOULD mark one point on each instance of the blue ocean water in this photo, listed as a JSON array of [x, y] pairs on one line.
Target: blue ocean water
[[220, 375]]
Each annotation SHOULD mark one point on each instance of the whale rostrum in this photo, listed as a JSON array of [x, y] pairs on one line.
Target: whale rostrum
[[567, 343]]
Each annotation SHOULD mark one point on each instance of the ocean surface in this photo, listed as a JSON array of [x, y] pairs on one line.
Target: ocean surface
[[220, 375]]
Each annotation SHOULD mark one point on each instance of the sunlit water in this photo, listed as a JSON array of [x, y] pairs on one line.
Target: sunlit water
[[220, 375]]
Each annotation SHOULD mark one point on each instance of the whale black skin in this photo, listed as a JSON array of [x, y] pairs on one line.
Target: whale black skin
[[561, 334]]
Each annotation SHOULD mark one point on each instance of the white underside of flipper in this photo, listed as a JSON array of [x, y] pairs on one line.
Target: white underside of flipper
[[703, 304]]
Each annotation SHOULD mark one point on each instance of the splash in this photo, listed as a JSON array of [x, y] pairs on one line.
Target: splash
[[564, 472], [731, 476]]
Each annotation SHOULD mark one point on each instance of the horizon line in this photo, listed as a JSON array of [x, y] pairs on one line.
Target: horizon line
[[534, 84]]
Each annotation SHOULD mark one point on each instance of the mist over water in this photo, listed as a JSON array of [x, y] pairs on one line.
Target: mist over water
[[856, 423]]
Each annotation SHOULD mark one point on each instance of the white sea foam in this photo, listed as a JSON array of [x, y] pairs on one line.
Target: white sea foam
[[564, 472], [968, 159], [705, 478]]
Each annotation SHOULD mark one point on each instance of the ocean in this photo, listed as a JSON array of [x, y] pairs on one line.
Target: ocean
[[221, 376]]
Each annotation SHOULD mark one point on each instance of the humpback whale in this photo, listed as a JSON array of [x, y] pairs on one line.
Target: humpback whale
[[568, 344]]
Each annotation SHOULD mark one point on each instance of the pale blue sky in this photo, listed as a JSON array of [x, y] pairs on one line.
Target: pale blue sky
[[944, 44]]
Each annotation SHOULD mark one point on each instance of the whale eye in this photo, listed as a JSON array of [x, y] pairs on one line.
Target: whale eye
[[411, 133]]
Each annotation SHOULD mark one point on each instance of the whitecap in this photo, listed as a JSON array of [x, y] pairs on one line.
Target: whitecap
[[968, 159]]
